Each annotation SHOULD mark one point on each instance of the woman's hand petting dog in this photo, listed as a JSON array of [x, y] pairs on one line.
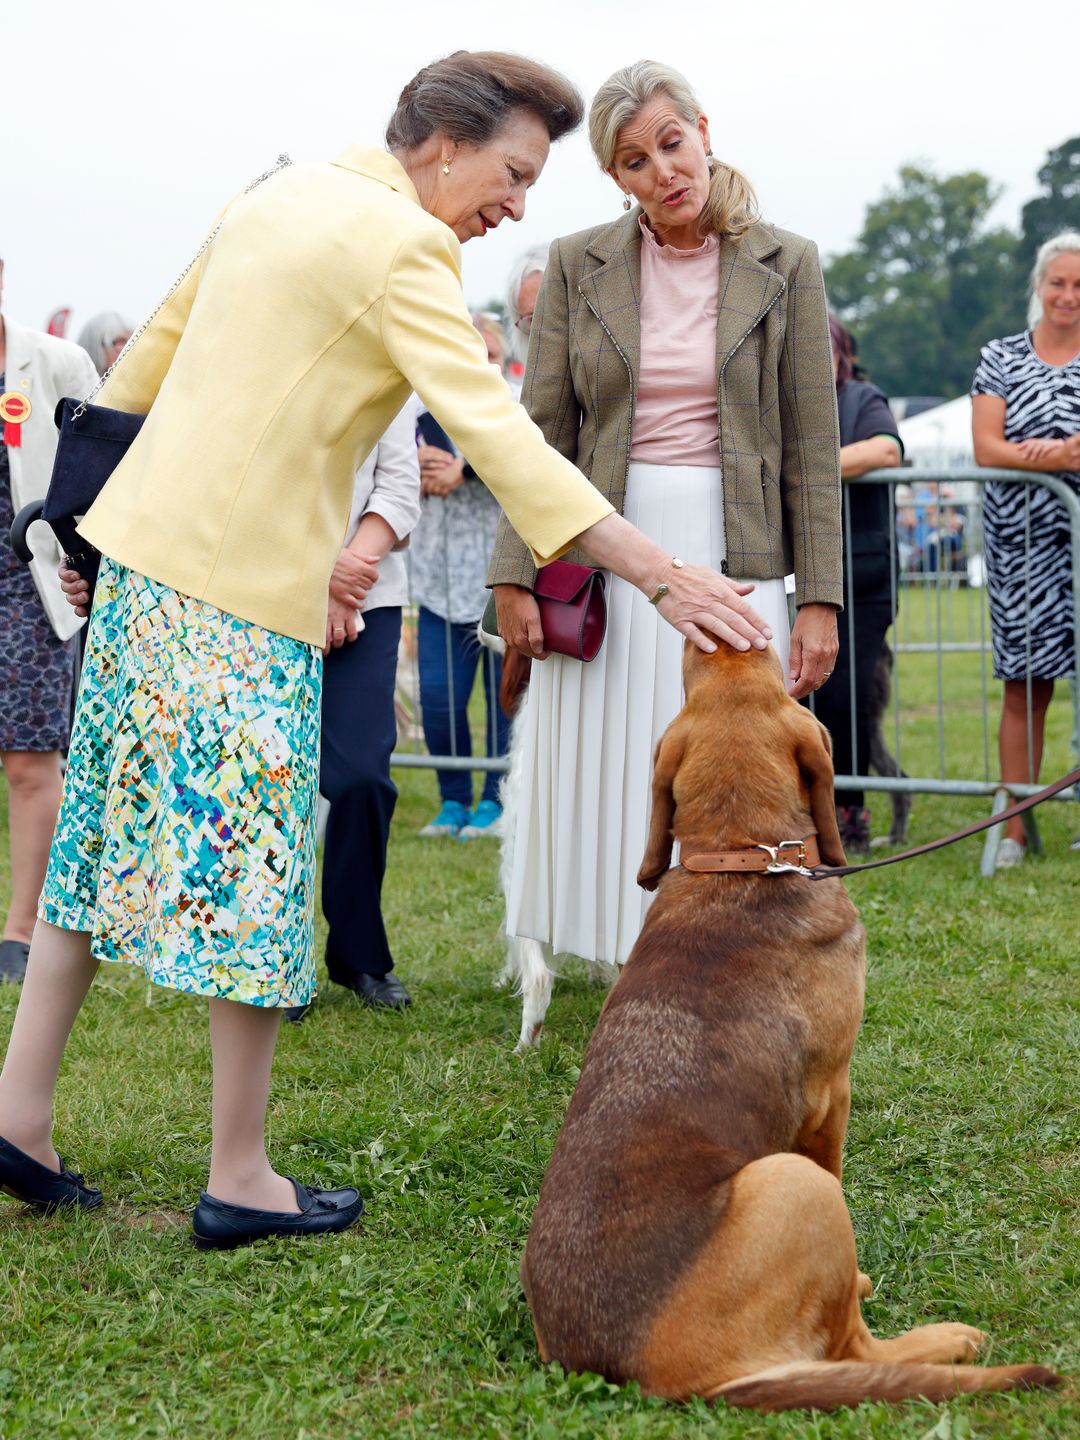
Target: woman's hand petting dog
[[705, 607], [814, 645]]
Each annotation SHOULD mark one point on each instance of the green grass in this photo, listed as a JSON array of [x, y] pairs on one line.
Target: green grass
[[962, 1169]]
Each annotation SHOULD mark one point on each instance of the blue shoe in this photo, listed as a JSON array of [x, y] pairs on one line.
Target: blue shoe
[[482, 821], [23, 1178], [450, 820], [217, 1225]]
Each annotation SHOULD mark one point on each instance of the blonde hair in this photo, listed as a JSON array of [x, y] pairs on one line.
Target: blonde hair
[[731, 207], [1067, 243]]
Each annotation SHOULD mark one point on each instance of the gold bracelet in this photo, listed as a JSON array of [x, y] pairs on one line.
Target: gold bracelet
[[663, 589]]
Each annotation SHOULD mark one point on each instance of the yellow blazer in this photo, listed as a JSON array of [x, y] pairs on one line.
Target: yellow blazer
[[326, 297]]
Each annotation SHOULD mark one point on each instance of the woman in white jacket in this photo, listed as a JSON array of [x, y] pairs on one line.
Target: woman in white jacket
[[36, 624]]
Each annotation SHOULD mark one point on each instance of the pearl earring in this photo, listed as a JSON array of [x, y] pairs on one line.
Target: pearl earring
[[446, 167], [626, 202]]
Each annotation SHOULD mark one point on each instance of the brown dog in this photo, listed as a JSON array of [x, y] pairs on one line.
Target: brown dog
[[691, 1233]]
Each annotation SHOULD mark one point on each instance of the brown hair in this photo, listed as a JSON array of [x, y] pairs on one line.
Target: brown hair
[[843, 342], [471, 94]]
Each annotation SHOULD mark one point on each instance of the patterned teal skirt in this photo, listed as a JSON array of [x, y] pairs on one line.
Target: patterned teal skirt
[[186, 838]]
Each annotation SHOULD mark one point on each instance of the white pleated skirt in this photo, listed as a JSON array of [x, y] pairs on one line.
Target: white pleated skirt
[[590, 732]]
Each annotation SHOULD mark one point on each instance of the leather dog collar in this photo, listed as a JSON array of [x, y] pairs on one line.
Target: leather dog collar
[[785, 857]]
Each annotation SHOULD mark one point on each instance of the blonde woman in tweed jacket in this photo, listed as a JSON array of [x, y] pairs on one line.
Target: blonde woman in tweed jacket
[[680, 357]]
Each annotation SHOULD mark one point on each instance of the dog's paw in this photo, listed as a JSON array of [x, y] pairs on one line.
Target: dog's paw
[[530, 1038], [951, 1342], [968, 1340]]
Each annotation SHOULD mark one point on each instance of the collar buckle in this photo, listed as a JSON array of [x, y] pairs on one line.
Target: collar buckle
[[778, 865]]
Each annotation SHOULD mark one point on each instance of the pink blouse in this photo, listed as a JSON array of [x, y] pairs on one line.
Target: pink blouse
[[675, 419]]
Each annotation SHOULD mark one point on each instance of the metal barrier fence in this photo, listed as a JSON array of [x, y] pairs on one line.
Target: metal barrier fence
[[942, 613], [942, 623]]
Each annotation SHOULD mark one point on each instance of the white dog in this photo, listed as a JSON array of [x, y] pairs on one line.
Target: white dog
[[531, 966]]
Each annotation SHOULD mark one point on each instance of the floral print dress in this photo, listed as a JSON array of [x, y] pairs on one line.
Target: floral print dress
[[186, 838]]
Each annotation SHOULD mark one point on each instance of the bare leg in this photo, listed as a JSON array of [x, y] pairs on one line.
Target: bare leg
[[242, 1038], [35, 786], [58, 976], [1013, 738]]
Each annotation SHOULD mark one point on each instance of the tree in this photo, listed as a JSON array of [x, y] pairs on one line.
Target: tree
[[928, 283], [1058, 207]]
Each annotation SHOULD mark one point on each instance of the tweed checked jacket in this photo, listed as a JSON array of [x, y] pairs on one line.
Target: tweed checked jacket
[[779, 438]]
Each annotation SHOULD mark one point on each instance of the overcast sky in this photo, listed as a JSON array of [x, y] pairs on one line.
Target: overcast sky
[[129, 124]]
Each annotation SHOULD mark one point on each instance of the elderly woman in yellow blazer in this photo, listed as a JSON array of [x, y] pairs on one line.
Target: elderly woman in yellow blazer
[[186, 840]]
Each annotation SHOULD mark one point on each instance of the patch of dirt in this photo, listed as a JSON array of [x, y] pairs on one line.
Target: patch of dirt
[[158, 1221], [1066, 1161]]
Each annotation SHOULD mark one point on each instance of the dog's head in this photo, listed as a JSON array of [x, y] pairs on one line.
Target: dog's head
[[753, 679], [758, 759]]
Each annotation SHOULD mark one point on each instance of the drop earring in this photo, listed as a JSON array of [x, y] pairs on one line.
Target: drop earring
[[626, 202], [446, 167]]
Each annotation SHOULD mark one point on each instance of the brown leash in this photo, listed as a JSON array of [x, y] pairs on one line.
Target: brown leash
[[829, 872], [800, 857]]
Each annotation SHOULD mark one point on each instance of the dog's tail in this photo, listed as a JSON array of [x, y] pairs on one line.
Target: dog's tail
[[515, 681], [829, 1385]]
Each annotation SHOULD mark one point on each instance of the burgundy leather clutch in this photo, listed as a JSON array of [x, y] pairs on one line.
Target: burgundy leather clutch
[[573, 608]]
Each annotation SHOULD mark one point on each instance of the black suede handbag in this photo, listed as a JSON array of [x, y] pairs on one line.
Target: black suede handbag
[[93, 440]]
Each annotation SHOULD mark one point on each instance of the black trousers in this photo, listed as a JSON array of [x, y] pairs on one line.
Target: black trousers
[[358, 734], [870, 619]]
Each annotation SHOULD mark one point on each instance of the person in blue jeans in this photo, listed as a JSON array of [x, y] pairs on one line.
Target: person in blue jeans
[[449, 557], [449, 655]]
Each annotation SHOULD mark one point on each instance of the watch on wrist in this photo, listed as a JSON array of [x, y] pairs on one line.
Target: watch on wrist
[[662, 589]]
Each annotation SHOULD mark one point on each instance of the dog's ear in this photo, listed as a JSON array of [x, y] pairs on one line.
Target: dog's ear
[[669, 754], [814, 756]]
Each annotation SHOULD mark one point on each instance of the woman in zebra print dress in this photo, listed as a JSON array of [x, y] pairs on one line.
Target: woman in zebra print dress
[[1026, 416]]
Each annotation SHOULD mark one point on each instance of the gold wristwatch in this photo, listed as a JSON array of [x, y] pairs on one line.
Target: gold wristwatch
[[662, 589]]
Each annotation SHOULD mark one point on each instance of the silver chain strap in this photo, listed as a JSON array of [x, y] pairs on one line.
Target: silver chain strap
[[280, 164]]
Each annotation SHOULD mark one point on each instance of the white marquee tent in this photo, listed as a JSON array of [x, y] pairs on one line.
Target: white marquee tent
[[939, 437]]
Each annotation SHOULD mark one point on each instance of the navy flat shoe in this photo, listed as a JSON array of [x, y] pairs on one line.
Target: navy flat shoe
[[218, 1225], [380, 992], [24, 1179]]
